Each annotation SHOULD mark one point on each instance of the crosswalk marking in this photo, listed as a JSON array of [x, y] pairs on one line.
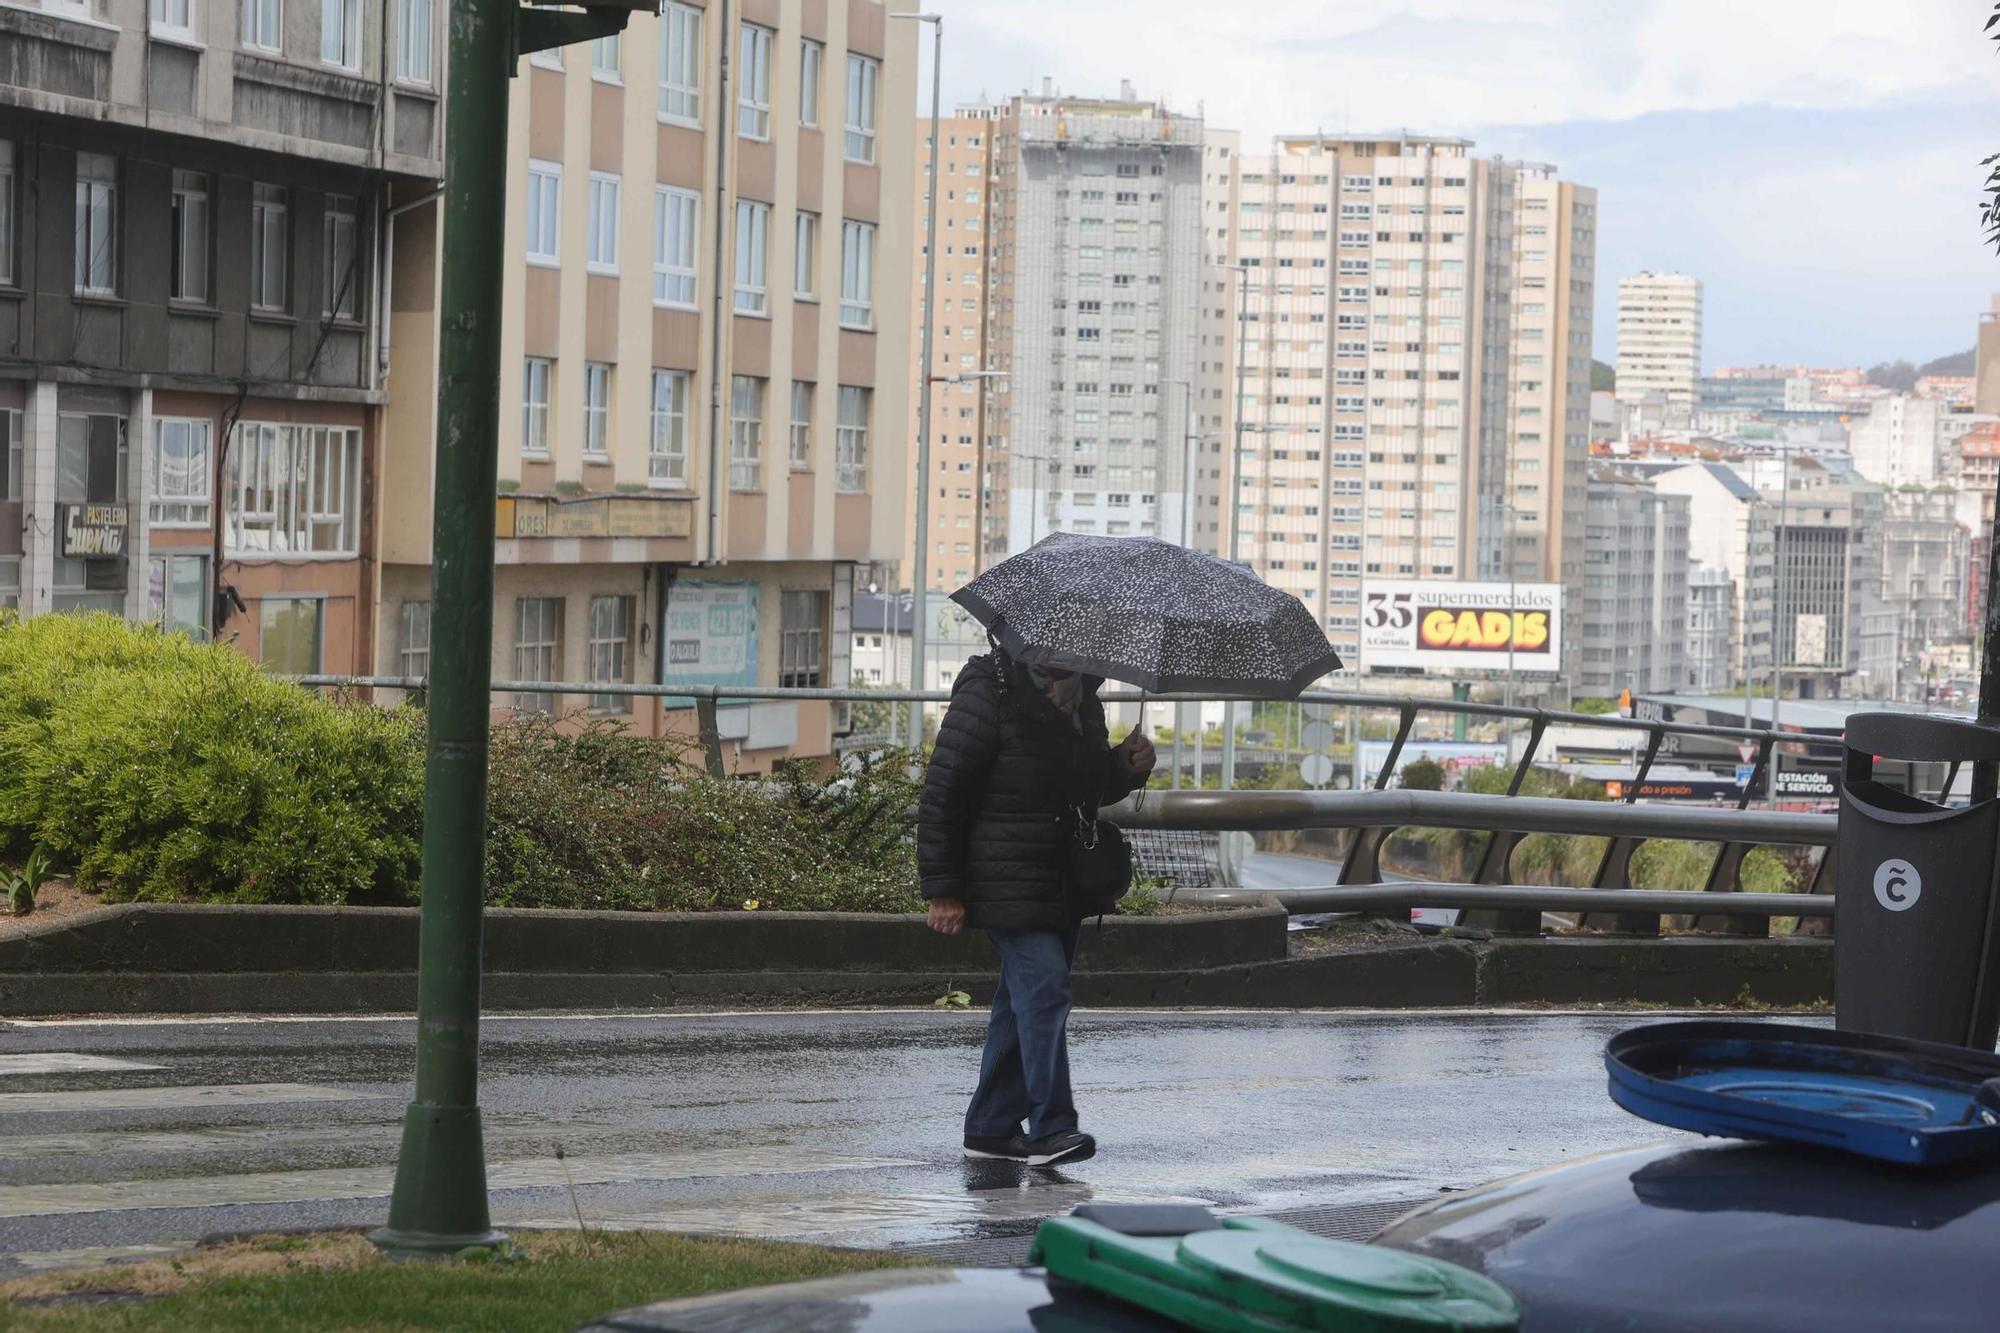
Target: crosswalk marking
[[67, 1062], [871, 1218], [175, 1098], [374, 1182], [98, 1256]]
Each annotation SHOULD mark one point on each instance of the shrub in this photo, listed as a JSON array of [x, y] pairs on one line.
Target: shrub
[[165, 769], [605, 820]]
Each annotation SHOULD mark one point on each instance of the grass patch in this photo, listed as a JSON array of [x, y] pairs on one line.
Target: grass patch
[[337, 1281]]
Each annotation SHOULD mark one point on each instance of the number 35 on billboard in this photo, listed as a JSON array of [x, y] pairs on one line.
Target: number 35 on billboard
[[1462, 626]]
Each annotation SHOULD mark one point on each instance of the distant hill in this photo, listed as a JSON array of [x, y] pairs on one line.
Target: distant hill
[[1902, 376], [1958, 364], [1603, 377]]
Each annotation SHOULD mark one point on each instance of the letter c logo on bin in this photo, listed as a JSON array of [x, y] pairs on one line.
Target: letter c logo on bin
[[1898, 885]]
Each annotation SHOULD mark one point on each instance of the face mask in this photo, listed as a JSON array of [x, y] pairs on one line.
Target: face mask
[[1065, 693]]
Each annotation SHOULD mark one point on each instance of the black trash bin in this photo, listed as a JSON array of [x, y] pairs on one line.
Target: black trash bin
[[1917, 938]]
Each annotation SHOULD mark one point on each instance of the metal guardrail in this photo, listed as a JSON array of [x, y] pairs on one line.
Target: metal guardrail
[[1374, 815]]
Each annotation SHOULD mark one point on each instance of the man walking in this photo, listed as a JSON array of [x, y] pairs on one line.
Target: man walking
[[1022, 763]]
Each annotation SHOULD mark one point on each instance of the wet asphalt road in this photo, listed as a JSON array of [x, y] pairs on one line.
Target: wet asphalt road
[[836, 1127]]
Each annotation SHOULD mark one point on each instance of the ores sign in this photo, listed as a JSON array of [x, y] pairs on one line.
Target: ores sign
[[1461, 627]]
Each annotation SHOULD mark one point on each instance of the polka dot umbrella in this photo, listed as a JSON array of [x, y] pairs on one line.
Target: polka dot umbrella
[[1151, 614]]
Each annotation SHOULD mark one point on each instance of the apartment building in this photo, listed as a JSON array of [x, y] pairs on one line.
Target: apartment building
[[1094, 309], [1659, 343], [1731, 529], [1635, 615], [1900, 440], [1415, 355], [960, 482], [705, 367], [1926, 558], [195, 200], [1711, 630]]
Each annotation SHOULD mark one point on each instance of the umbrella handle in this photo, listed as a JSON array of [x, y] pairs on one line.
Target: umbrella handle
[[1139, 797]]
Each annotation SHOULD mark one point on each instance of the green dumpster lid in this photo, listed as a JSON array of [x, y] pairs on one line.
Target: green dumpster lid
[[1258, 1276]]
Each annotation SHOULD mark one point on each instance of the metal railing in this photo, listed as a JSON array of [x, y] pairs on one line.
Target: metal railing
[[1372, 816]]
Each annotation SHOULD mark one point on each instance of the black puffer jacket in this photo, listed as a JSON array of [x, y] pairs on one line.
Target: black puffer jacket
[[997, 819]]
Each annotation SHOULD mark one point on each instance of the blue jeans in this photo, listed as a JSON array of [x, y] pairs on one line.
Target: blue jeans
[[1025, 1069]]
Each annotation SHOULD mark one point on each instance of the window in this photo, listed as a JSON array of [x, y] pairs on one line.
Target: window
[[597, 409], [802, 427], [96, 223], [862, 75], [753, 235], [680, 63], [92, 458], [610, 651], [343, 259], [666, 447], [675, 231], [178, 495], [294, 490], [805, 257], [604, 59], [173, 18], [177, 593], [262, 25], [537, 648], [850, 448], [414, 652], [413, 41], [288, 634], [188, 280], [857, 275], [270, 247], [601, 254], [812, 64], [10, 583], [537, 379], [753, 106], [544, 212], [746, 433], [6, 212], [12, 483], [801, 639], [340, 33]]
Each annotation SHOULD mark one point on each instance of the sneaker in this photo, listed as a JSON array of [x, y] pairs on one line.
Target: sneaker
[[996, 1147], [1067, 1146]]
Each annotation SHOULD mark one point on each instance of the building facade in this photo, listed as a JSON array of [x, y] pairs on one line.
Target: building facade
[[1711, 630], [960, 481], [1635, 612], [1731, 529], [1094, 312], [1415, 349], [1659, 342], [195, 203], [1898, 441], [705, 366], [1926, 575]]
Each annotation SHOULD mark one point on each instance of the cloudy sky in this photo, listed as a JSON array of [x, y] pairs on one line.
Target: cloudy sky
[[1814, 162]]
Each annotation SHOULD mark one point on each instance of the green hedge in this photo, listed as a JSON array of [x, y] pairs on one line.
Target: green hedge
[[166, 770], [159, 769]]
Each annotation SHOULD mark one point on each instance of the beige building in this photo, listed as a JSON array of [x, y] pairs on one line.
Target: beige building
[[1659, 342], [1415, 342], [959, 453], [705, 367]]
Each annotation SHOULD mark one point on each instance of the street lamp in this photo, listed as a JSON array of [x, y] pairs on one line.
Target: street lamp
[[919, 577], [920, 572], [889, 620], [1242, 272]]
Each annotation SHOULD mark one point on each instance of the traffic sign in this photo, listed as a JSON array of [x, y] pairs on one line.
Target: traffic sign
[[1316, 735], [1746, 751], [1316, 769], [1317, 711], [1745, 772]]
